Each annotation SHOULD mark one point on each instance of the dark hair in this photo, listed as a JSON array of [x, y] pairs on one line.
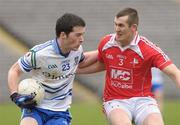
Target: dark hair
[[66, 23], [132, 15]]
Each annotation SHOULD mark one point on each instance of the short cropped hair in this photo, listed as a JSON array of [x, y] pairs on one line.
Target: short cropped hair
[[67, 22], [132, 15]]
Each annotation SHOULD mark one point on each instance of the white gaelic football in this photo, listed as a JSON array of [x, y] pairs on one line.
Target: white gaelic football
[[32, 87]]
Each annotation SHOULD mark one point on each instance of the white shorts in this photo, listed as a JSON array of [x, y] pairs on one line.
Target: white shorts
[[138, 108]]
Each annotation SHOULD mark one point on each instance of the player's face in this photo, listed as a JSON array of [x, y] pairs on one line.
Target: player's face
[[75, 38], [124, 32]]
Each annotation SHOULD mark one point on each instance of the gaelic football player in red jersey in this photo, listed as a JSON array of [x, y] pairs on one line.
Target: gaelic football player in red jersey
[[128, 58]]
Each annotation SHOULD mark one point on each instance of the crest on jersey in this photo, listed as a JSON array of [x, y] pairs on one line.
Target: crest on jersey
[[28, 54], [76, 60], [135, 61]]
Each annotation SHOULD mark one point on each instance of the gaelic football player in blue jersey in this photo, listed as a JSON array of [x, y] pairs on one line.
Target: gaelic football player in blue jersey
[[54, 64]]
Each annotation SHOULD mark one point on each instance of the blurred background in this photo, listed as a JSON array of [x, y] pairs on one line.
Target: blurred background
[[24, 24]]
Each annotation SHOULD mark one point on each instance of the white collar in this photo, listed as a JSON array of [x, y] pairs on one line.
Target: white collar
[[133, 44]]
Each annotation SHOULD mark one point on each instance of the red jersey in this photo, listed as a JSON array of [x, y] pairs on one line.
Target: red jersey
[[128, 69]]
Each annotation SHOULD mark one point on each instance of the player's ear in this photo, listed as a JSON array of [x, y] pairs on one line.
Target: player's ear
[[134, 27], [63, 35]]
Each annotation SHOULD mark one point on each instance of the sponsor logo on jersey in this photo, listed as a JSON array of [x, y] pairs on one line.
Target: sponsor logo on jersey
[[121, 57], [119, 74], [56, 76], [65, 61], [121, 85], [121, 78]]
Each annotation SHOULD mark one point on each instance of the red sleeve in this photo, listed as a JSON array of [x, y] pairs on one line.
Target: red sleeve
[[155, 56], [100, 58], [101, 46], [160, 59]]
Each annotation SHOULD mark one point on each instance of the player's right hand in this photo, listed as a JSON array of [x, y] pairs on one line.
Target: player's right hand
[[23, 101]]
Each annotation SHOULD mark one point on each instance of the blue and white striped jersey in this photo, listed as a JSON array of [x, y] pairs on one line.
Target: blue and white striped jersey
[[55, 70]]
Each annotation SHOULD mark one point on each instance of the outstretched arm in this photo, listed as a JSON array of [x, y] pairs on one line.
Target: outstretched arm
[[173, 72], [90, 58], [95, 67], [90, 63]]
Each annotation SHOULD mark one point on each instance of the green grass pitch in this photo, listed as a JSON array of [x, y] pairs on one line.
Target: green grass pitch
[[89, 114]]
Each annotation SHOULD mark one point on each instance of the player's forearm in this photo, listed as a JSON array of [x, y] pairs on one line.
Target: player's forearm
[[173, 72], [13, 78], [176, 77], [96, 67], [90, 58]]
